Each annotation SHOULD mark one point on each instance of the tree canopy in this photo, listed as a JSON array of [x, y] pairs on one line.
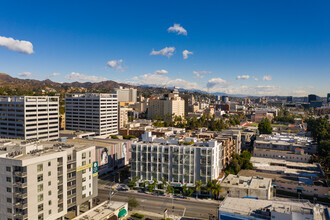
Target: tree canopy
[[265, 126]]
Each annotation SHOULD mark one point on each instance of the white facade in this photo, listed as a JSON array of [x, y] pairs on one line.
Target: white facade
[[94, 112], [126, 94], [175, 162], [29, 117], [42, 180]]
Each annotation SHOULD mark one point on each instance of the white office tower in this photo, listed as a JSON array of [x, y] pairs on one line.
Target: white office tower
[[94, 112], [126, 94], [43, 180], [178, 162], [29, 117]]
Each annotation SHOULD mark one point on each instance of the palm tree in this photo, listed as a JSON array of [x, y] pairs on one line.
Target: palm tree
[[170, 189], [213, 187], [164, 182], [198, 186]]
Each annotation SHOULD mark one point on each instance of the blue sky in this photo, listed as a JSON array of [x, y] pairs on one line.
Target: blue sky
[[239, 47]]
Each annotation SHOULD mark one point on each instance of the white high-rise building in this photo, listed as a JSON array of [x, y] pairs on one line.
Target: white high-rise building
[[175, 161], [29, 117], [95, 112], [42, 180], [126, 94]]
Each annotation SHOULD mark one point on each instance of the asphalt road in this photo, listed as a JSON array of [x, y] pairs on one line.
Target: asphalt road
[[157, 204]]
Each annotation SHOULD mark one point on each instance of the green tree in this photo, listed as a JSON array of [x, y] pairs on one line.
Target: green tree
[[198, 187], [132, 203], [170, 189], [265, 126]]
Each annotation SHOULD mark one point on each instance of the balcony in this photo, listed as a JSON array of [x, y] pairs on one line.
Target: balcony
[[20, 174], [20, 195], [20, 216], [20, 185], [20, 205]]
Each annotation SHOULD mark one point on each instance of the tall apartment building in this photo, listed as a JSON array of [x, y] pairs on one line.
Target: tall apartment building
[[29, 117], [123, 116], [42, 180], [126, 94], [168, 105], [175, 162], [95, 112]]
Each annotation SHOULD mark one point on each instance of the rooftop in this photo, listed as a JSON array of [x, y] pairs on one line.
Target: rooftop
[[258, 208], [248, 182], [101, 211]]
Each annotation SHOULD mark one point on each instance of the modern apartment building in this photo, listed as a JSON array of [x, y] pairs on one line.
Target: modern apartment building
[[42, 180], [95, 112], [126, 94], [178, 163], [29, 117], [167, 106]]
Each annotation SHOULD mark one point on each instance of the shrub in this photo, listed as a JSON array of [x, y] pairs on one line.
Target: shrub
[[137, 215]]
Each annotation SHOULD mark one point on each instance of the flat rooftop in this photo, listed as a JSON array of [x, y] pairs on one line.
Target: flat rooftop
[[247, 182], [248, 207], [101, 211]]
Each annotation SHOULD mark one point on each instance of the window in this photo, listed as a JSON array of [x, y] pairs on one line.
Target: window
[[9, 200], [49, 193], [84, 163], [41, 217], [9, 210], [83, 171], [83, 155], [50, 202], [40, 197], [40, 207], [8, 169], [49, 173], [49, 212], [8, 179], [90, 177], [90, 169], [90, 153], [84, 187], [90, 161], [8, 189], [40, 187], [40, 177], [84, 196], [84, 179], [49, 183], [49, 163], [39, 167]]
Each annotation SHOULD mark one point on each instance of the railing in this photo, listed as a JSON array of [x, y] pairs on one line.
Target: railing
[[20, 205], [20, 185], [20, 195], [20, 174]]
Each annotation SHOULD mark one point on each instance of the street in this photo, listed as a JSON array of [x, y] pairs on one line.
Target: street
[[157, 204]]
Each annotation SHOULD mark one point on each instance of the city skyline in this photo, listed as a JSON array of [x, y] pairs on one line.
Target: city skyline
[[238, 47]]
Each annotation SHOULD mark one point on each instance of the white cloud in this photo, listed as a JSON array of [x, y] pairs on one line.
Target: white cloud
[[243, 77], [25, 74], [167, 51], [185, 54], [160, 72], [116, 64], [300, 93], [53, 74], [177, 29], [200, 74], [159, 79], [20, 46], [267, 78], [84, 78], [215, 84]]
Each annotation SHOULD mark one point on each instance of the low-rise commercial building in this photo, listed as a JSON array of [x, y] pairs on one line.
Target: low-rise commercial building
[[253, 209], [247, 186], [106, 211], [294, 177], [285, 143]]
